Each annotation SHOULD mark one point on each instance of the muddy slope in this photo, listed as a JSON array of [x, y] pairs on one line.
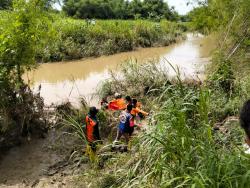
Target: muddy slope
[[40, 162]]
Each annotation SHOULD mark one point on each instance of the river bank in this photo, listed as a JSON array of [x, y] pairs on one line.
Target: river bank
[[41, 162], [182, 117], [180, 127], [71, 39], [75, 39], [191, 51], [69, 81]]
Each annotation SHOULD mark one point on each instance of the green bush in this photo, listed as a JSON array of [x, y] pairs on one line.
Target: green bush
[[22, 33]]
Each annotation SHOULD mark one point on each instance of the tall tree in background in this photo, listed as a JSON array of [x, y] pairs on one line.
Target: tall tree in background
[[135, 9], [212, 15], [22, 35], [119, 9], [88, 8], [230, 20], [154, 8]]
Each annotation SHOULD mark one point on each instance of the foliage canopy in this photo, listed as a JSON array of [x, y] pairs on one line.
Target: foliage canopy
[[119, 9]]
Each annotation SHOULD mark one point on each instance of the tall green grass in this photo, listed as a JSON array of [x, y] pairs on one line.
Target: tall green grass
[[180, 147], [76, 39], [70, 38]]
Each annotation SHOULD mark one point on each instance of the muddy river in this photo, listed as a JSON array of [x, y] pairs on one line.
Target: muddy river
[[68, 81]]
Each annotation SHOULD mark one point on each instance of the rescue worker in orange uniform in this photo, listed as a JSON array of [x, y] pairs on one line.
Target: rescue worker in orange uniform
[[140, 113], [118, 103], [92, 128], [135, 112]]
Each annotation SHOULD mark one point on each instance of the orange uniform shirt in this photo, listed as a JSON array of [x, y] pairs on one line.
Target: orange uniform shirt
[[90, 124], [136, 110]]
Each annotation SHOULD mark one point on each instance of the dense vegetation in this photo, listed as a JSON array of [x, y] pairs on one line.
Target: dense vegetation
[[70, 38], [4, 4], [215, 15], [31, 32], [230, 20], [21, 35], [119, 9], [76, 38], [9, 4]]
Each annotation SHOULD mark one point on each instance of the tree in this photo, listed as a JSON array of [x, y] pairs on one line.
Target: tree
[[135, 9], [119, 9], [22, 35], [23, 31], [6, 4]]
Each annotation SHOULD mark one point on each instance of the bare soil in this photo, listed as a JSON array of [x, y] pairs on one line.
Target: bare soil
[[41, 162]]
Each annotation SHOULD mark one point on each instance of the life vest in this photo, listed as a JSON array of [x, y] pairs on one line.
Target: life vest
[[90, 125]]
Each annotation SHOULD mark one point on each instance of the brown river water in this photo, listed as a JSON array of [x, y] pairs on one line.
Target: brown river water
[[68, 81]]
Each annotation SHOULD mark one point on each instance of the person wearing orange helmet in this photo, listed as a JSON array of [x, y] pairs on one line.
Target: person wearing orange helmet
[[136, 112]]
